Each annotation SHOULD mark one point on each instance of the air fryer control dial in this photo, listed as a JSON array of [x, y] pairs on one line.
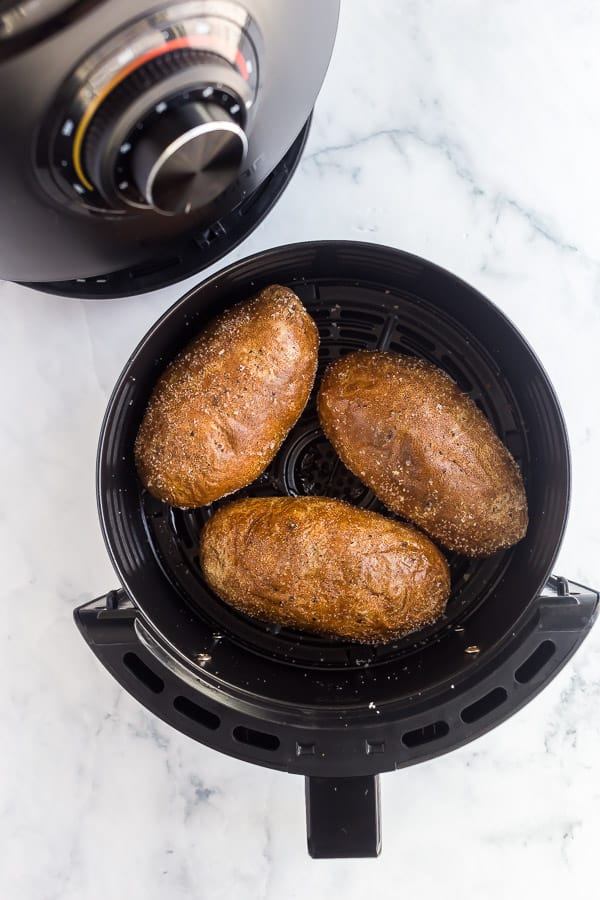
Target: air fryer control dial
[[155, 119], [188, 157]]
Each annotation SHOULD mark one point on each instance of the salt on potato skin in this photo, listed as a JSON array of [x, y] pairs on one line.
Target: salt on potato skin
[[221, 410], [424, 448]]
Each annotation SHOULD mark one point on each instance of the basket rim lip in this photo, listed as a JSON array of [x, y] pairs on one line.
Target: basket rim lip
[[268, 257]]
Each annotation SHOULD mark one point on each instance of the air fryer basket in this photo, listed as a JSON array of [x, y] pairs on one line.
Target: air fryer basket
[[338, 712]]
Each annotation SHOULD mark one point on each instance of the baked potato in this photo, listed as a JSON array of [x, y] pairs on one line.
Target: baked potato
[[324, 566], [407, 431], [221, 410]]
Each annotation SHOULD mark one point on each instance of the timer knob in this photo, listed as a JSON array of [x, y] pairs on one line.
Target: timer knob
[[187, 157], [180, 117]]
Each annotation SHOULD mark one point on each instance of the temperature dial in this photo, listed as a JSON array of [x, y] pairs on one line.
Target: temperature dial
[[188, 157], [162, 141], [155, 119]]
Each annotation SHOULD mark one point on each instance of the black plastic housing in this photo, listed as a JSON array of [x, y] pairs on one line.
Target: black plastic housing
[[193, 251], [49, 237], [341, 765]]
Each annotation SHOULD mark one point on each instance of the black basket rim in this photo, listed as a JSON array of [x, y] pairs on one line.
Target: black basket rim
[[376, 253]]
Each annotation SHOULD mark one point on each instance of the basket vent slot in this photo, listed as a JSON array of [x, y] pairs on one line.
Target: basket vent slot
[[536, 662], [484, 705], [256, 738], [426, 734], [196, 713], [457, 373], [143, 673]]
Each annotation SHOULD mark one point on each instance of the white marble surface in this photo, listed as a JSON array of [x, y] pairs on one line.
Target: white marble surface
[[469, 133]]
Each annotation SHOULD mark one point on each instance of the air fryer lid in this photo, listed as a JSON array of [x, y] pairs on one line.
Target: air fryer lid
[[101, 140], [367, 296]]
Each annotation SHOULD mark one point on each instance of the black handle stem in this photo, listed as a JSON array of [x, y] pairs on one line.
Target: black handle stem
[[343, 818]]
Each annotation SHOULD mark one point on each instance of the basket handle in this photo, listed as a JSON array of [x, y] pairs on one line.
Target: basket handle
[[343, 818]]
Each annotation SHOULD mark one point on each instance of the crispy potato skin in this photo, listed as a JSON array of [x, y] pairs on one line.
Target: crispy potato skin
[[221, 410], [324, 566], [407, 431]]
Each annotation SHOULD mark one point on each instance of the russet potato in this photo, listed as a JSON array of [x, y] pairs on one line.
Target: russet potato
[[324, 566], [221, 410], [407, 431]]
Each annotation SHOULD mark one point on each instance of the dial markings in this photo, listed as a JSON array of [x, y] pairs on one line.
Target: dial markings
[[114, 62], [125, 56], [112, 84]]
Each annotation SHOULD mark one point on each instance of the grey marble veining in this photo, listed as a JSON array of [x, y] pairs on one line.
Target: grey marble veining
[[468, 133]]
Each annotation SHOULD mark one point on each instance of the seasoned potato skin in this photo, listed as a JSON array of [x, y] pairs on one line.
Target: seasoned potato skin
[[407, 431], [221, 410], [324, 566]]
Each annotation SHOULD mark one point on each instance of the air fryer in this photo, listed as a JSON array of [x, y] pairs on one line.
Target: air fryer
[[335, 712], [141, 142]]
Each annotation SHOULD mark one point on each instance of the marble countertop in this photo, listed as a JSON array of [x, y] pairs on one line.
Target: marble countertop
[[468, 133]]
